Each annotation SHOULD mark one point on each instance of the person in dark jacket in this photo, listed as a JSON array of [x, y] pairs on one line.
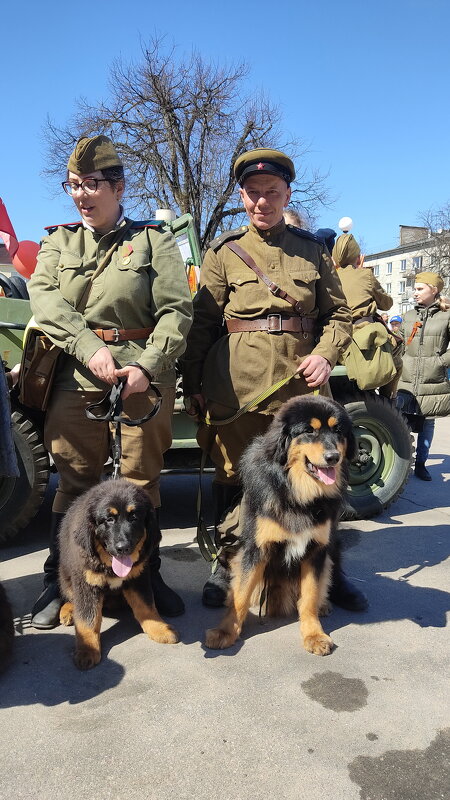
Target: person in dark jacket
[[424, 386]]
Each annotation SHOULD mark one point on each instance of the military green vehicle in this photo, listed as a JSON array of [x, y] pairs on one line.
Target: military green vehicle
[[377, 475]]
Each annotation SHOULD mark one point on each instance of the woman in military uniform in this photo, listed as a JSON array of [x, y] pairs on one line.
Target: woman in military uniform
[[135, 319], [265, 339], [364, 296]]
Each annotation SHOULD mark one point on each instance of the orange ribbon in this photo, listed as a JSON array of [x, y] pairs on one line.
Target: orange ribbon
[[416, 327]]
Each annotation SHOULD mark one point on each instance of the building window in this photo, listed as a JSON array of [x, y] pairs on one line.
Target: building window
[[417, 262], [389, 288], [376, 270], [389, 268], [403, 265], [402, 287]]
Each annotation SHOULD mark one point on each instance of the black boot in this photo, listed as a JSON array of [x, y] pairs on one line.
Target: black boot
[[45, 612], [215, 589], [420, 471], [342, 592], [167, 602]]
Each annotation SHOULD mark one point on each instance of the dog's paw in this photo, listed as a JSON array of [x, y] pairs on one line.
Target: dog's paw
[[85, 658], [320, 644], [66, 614], [218, 639], [163, 633]]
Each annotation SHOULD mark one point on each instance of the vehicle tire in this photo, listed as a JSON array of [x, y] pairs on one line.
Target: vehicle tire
[[384, 445], [21, 498]]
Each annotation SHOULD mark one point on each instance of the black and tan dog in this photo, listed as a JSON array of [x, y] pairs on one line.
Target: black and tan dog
[[106, 538], [293, 478]]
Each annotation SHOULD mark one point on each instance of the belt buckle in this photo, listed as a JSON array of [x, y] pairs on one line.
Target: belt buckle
[[270, 328], [116, 335]]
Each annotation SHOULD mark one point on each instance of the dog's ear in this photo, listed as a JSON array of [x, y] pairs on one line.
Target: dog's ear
[[85, 529], [282, 446], [351, 443], [277, 441], [152, 524]]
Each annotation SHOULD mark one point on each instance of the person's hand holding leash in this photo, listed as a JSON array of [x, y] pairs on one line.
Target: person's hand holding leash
[[315, 370], [197, 405], [137, 381], [103, 366]]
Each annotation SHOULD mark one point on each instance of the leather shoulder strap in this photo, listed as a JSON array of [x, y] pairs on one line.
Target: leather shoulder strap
[[276, 290]]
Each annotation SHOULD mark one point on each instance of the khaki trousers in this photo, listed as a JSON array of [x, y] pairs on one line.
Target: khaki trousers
[[80, 447], [226, 443]]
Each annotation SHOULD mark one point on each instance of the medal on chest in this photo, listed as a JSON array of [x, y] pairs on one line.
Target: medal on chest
[[127, 249]]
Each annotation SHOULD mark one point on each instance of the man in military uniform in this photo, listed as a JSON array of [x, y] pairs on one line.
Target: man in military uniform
[[128, 320], [300, 324]]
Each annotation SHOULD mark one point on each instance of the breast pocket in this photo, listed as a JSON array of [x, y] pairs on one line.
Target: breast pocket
[[137, 261], [304, 288], [71, 276], [305, 278], [242, 280], [135, 276], [246, 294]]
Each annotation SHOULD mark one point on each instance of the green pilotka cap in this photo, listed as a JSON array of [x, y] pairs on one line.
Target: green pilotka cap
[[264, 161], [92, 154], [346, 250], [430, 278]]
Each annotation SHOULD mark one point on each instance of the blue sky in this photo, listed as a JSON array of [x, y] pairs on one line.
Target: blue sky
[[365, 83]]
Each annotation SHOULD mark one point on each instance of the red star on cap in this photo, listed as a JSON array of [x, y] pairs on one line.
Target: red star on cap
[[260, 165]]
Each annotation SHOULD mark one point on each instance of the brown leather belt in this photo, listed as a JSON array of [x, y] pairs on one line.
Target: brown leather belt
[[119, 335], [273, 323]]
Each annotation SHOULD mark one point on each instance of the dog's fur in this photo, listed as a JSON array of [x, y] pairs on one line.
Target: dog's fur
[[113, 519], [293, 478], [6, 630]]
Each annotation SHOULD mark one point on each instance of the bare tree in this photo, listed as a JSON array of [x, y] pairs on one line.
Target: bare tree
[[437, 247], [179, 125]]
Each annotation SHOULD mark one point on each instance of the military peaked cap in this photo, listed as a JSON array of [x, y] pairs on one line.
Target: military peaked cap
[[93, 154], [264, 161]]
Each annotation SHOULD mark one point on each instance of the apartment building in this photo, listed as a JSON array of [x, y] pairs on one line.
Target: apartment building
[[395, 269]]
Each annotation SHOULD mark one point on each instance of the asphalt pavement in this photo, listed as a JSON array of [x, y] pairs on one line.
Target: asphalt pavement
[[264, 719]]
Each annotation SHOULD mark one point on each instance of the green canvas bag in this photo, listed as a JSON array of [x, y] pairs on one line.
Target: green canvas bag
[[369, 360]]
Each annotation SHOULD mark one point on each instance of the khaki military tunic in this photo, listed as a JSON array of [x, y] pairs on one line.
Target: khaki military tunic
[[232, 369], [365, 295], [363, 292], [143, 286]]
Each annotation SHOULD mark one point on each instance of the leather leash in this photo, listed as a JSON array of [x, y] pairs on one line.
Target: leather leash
[[111, 410]]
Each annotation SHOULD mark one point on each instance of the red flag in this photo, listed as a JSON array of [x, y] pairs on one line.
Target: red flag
[[7, 231]]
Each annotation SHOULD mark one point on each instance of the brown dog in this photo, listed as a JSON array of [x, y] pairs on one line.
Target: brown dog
[[106, 538]]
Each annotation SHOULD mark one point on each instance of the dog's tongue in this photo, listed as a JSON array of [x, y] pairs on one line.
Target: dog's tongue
[[121, 566], [327, 474]]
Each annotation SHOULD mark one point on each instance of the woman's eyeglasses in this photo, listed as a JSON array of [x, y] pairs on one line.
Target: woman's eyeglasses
[[89, 185]]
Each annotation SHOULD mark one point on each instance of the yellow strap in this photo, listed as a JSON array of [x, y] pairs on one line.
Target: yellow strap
[[251, 403]]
